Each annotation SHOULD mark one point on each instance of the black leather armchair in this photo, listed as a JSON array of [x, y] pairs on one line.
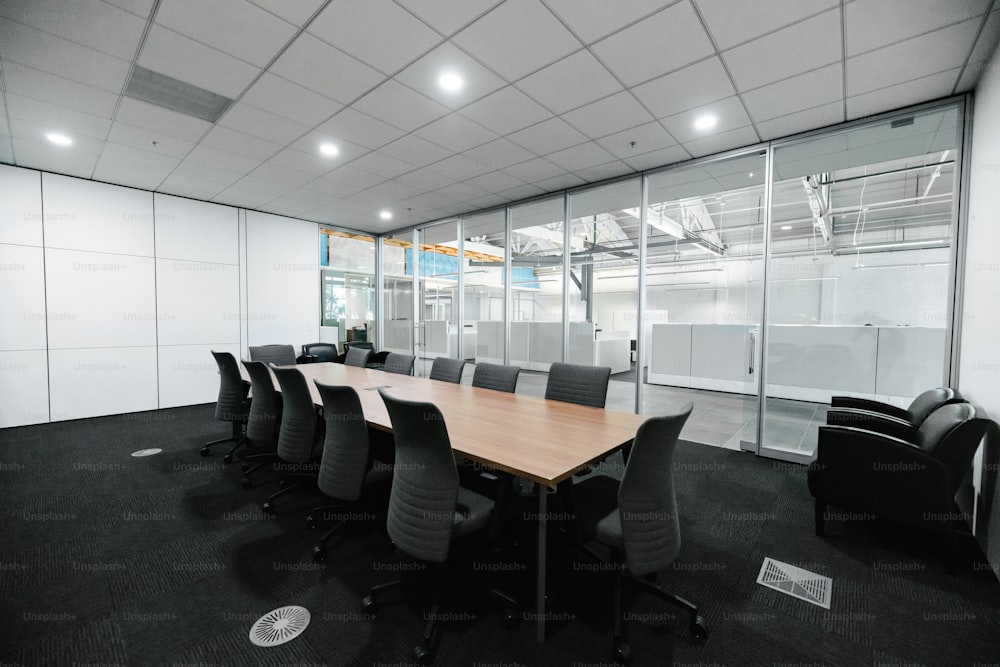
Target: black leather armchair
[[889, 419], [318, 352]]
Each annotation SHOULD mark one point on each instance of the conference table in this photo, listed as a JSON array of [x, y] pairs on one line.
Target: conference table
[[528, 436]]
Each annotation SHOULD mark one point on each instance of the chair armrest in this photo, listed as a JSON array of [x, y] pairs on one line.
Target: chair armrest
[[872, 421], [871, 406], [307, 359]]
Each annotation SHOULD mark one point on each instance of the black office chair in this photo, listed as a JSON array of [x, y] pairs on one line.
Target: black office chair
[[357, 356], [346, 465], [313, 353], [265, 417], [427, 507], [574, 383], [401, 364], [299, 430], [886, 418], [496, 377], [279, 355], [232, 404], [447, 370], [637, 520]]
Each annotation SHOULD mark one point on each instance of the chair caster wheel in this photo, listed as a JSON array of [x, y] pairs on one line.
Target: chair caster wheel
[[228, 458], [246, 483], [511, 619], [311, 522], [368, 604], [267, 507], [204, 451], [319, 554], [422, 654], [623, 653], [698, 628]]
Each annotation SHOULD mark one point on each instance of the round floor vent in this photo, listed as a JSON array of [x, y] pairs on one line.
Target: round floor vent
[[145, 452], [279, 626]]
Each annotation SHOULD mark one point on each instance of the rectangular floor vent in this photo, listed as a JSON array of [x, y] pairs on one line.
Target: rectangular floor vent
[[794, 581]]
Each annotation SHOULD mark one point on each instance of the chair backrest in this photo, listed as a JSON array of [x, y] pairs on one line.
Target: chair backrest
[[298, 416], [646, 499], [280, 355], [424, 480], [399, 363], [929, 401], [345, 447], [357, 356], [265, 408], [573, 383], [496, 376], [951, 434], [322, 351], [232, 390], [447, 370]]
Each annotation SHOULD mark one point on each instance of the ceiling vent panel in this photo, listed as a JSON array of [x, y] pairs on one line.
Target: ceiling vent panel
[[173, 94]]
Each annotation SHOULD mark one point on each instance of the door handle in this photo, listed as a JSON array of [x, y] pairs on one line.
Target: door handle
[[753, 348]]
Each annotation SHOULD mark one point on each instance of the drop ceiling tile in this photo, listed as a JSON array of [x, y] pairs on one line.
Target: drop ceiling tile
[[161, 121], [423, 75], [487, 201], [361, 129], [243, 197], [123, 173], [686, 88], [603, 172], [382, 165], [580, 157], [901, 95], [394, 103], [517, 38], [142, 139], [935, 52], [550, 136], [239, 143], [321, 68], [801, 121], [45, 87], [149, 160], [521, 192], [32, 131], [495, 181], [167, 52], [35, 155], [799, 48], [395, 191], [506, 111], [213, 157], [346, 151], [53, 118], [61, 57], [648, 137], [796, 93], [447, 17], [570, 83], [610, 115], [722, 141], [660, 157], [331, 188], [289, 100], [639, 53], [531, 171], [414, 150], [296, 12], [499, 154], [462, 192], [459, 168], [593, 19], [733, 23], [140, 8], [259, 123], [456, 133], [377, 32], [221, 178], [872, 24], [280, 173], [729, 112], [190, 186], [92, 23], [425, 180], [264, 186], [351, 175], [258, 38], [366, 199], [988, 40]]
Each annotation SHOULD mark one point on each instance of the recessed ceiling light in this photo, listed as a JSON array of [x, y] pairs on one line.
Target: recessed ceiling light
[[385, 215], [750, 175], [59, 139], [705, 122], [450, 81], [328, 149], [785, 228]]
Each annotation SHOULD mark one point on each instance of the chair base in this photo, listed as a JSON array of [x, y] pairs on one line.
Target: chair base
[[236, 437]]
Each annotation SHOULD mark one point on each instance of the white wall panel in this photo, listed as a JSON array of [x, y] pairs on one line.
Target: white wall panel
[[282, 280], [20, 206], [103, 381], [24, 385], [85, 215], [197, 302], [99, 300], [188, 374], [195, 230], [22, 284]]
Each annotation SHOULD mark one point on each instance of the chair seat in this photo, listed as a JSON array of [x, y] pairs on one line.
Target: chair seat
[[472, 512], [596, 500]]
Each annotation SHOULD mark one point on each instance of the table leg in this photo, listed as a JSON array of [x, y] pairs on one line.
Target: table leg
[[542, 533]]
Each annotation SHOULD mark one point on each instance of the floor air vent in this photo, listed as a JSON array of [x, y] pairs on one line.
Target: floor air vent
[[794, 581], [279, 626]]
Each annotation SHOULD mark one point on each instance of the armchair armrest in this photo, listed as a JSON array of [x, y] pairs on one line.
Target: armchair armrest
[[871, 406], [872, 421], [307, 359]]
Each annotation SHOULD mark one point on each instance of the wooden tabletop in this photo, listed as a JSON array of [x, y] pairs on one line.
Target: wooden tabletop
[[544, 441]]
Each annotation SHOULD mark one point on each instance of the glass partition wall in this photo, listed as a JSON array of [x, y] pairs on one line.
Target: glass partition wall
[[347, 310], [756, 284]]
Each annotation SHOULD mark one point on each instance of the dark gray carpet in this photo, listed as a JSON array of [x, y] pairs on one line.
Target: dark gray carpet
[[168, 560]]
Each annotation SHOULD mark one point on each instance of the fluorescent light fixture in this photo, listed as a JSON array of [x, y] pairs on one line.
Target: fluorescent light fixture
[[450, 81], [706, 248], [58, 139], [385, 215], [900, 244], [705, 122], [328, 149], [785, 228]]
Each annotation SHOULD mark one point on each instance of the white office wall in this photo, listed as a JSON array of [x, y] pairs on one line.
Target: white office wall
[[979, 366], [282, 280], [197, 231], [24, 385], [20, 206], [85, 215], [90, 382]]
